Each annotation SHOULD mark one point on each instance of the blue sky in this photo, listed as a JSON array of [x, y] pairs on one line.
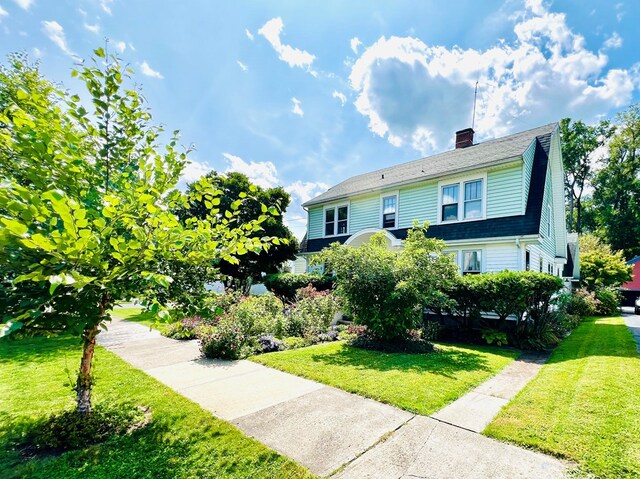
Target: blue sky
[[307, 94]]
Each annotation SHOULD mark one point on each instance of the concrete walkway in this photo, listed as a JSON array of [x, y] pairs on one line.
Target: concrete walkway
[[333, 432]]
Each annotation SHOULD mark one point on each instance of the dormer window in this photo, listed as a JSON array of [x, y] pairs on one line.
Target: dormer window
[[462, 200], [389, 211], [336, 219]]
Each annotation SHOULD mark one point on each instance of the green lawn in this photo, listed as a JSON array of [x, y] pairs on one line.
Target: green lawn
[[585, 403], [135, 314], [421, 383], [182, 441]]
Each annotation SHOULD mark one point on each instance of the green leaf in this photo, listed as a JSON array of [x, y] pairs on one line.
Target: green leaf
[[16, 227], [9, 327]]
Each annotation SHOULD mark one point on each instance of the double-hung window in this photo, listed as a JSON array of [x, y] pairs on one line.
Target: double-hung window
[[389, 211], [473, 199], [462, 200], [471, 262], [336, 220], [450, 202]]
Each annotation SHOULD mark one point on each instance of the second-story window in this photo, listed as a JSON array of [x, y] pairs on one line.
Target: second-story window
[[336, 220], [473, 199], [450, 203], [389, 211]]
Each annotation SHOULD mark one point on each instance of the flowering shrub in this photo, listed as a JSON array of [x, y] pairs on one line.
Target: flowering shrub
[[259, 315], [581, 302], [186, 328], [312, 312], [608, 301], [224, 341], [269, 344], [331, 335]]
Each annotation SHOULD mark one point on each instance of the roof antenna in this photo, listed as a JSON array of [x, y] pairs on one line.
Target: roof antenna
[[475, 98]]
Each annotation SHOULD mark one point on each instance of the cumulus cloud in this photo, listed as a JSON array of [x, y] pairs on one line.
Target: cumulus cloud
[[248, 34], [55, 32], [292, 56], [419, 95], [262, 173], [614, 41], [340, 96], [150, 72], [305, 190], [3, 12], [297, 109], [242, 66], [194, 170], [355, 43], [24, 4]]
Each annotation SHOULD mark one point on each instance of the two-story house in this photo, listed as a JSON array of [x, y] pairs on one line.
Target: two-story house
[[498, 205]]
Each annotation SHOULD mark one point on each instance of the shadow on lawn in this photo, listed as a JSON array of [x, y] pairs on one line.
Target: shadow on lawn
[[37, 350], [443, 362]]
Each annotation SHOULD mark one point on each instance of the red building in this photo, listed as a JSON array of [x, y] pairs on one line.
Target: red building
[[631, 289]]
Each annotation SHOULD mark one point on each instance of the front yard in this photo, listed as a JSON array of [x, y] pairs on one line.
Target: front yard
[[585, 403], [182, 441], [420, 383]]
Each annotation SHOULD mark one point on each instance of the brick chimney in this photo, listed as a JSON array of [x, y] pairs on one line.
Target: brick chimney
[[464, 138]]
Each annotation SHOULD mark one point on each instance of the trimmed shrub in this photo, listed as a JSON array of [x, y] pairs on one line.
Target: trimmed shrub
[[286, 285], [226, 340], [608, 301]]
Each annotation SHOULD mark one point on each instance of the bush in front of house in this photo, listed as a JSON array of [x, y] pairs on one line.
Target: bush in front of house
[[286, 285], [269, 344], [312, 312], [259, 315], [608, 301], [386, 289], [225, 340], [186, 328], [580, 302]]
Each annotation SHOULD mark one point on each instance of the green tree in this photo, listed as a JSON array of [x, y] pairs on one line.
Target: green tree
[[387, 289], [579, 141], [600, 266], [617, 186], [251, 266], [86, 207]]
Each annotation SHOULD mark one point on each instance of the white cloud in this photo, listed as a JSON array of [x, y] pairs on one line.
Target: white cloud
[[340, 96], [305, 190], [36, 52], [55, 32], [242, 66], [419, 95], [355, 43], [262, 173], [194, 170], [150, 72], [120, 46], [3, 12], [297, 109], [249, 34], [93, 28], [614, 41], [24, 4], [105, 5], [292, 56]]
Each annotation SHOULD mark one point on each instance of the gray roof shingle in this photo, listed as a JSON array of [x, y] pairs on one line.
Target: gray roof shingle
[[488, 153]]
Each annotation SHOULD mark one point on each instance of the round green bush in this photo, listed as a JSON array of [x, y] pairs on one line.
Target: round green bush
[[223, 341]]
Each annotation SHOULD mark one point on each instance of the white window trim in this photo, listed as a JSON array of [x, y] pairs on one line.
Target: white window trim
[[387, 195], [460, 181], [335, 223], [459, 257]]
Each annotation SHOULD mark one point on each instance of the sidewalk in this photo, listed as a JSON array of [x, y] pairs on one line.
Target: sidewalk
[[331, 431]]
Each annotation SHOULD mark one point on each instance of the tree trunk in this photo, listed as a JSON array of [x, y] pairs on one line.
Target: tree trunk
[[85, 379]]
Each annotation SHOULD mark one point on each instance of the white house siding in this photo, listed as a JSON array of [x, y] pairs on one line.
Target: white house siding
[[504, 192], [418, 202], [364, 212], [549, 240]]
